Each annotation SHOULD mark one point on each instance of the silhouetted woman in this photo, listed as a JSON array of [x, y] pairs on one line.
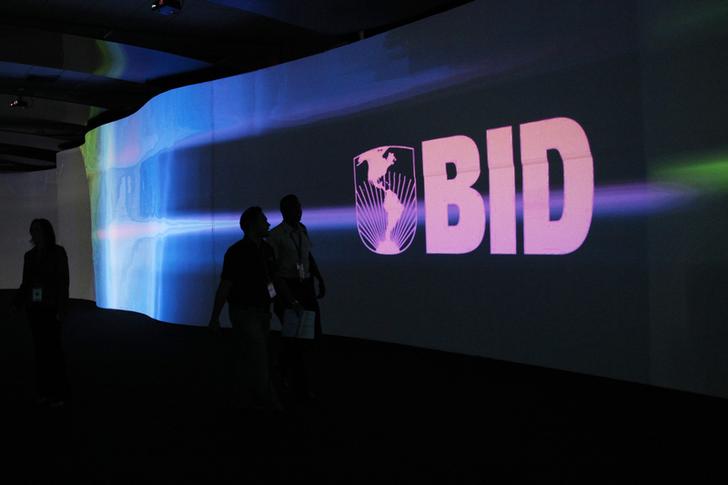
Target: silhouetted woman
[[44, 294]]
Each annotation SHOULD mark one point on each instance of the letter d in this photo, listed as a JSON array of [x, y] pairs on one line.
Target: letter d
[[541, 235], [441, 192]]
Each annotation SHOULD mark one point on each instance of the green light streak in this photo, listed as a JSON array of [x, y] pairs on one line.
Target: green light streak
[[113, 60], [707, 173], [699, 17], [90, 154]]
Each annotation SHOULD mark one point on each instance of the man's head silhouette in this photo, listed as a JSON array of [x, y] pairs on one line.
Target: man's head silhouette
[[291, 209], [254, 223]]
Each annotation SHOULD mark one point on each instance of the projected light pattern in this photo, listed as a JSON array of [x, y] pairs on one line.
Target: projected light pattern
[[682, 19], [113, 59], [611, 201], [138, 64], [704, 172], [166, 183], [130, 248]]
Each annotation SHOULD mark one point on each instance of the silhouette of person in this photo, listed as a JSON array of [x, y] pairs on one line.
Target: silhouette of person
[[247, 284], [44, 295], [299, 272]]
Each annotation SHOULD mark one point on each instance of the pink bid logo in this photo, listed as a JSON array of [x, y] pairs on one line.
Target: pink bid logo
[[386, 195], [386, 198]]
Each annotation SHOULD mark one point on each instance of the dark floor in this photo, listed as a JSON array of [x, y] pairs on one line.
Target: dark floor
[[154, 403]]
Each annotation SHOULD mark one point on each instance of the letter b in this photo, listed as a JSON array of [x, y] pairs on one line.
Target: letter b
[[440, 192]]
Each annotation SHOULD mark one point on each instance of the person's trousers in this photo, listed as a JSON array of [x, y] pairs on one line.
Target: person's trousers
[[50, 364], [298, 358], [251, 327]]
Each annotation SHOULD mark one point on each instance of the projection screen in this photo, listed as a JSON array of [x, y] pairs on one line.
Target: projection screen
[[481, 182]]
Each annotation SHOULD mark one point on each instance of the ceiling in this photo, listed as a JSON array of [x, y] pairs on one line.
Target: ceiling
[[76, 64]]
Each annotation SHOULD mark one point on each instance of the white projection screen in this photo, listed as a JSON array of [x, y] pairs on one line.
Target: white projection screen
[[23, 197], [62, 197]]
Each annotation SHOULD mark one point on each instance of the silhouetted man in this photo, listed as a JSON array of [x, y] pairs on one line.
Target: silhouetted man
[[247, 284], [298, 271], [44, 295]]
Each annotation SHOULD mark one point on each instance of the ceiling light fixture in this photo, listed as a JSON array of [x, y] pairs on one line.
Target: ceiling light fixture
[[167, 7], [18, 102]]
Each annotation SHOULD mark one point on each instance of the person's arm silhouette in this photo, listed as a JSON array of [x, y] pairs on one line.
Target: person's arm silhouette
[[316, 273], [21, 295], [230, 262], [284, 292], [63, 284], [221, 296]]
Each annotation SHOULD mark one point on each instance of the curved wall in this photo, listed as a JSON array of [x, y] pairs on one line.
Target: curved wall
[[535, 139]]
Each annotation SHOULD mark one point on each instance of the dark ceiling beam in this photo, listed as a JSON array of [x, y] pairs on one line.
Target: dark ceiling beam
[[27, 161], [40, 127], [28, 152], [209, 49], [348, 17], [14, 138], [41, 47], [110, 94], [13, 166], [210, 46], [50, 52]]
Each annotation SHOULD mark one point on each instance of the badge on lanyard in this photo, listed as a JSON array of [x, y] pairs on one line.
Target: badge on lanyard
[[37, 295], [271, 290], [299, 252]]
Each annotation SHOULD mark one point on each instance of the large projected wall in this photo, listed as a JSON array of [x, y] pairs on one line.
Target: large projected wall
[[480, 182]]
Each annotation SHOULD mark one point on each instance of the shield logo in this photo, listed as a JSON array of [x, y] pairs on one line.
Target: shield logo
[[386, 198]]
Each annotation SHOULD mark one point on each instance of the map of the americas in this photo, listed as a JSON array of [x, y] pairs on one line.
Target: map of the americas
[[379, 162]]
